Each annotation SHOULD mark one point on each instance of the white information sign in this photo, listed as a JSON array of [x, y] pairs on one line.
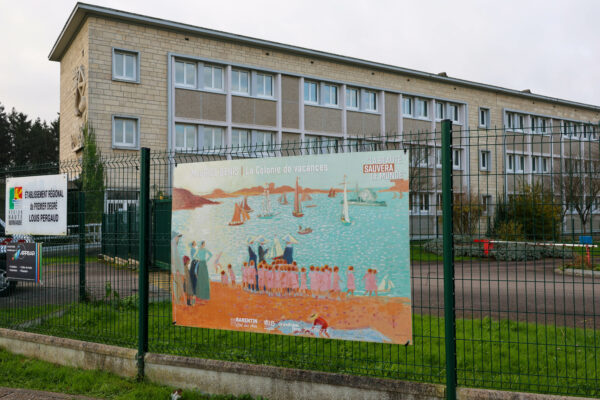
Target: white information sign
[[36, 205]]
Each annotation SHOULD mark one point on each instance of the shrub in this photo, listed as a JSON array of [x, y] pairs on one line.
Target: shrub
[[466, 213], [509, 230]]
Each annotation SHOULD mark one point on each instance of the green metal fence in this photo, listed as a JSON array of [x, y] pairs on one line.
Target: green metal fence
[[503, 293]]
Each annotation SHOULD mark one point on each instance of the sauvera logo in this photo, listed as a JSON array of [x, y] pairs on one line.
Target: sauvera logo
[[15, 197], [378, 168]]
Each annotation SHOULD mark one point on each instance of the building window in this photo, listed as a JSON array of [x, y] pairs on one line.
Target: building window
[[535, 164], [419, 203], [352, 100], [125, 65], [263, 141], [438, 157], [311, 93], [264, 85], [419, 157], [456, 158], [370, 100], [484, 160], [240, 81], [486, 204], [545, 165], [568, 129], [510, 163], [185, 137], [484, 117], [213, 77], [439, 111], [510, 118], [185, 74], [320, 144], [538, 125], [422, 108], [519, 122], [330, 95], [407, 106], [240, 139], [454, 114], [125, 132], [212, 138], [515, 163], [361, 145]]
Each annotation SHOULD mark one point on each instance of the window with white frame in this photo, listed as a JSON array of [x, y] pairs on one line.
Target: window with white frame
[[439, 203], [352, 98], [438, 157], [185, 74], [264, 85], [422, 108], [354, 144], [419, 157], [330, 95], [568, 129], [311, 92], [485, 160], [486, 204], [439, 111], [538, 125], [240, 81], [125, 65], [185, 137], [515, 163], [213, 77], [125, 132], [510, 119], [545, 165], [510, 163], [484, 117], [370, 100], [263, 141], [212, 138], [320, 144], [453, 111], [240, 139], [588, 132], [407, 106], [419, 203], [535, 164], [456, 158], [519, 122]]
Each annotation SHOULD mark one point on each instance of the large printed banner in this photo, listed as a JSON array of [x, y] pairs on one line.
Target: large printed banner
[[312, 246], [36, 205]]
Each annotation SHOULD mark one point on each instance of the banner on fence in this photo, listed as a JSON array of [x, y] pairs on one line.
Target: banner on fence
[[23, 261], [36, 205], [314, 246]]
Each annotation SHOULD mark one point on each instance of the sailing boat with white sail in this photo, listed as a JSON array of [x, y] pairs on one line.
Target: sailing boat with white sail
[[345, 215], [386, 285], [276, 251], [267, 213]]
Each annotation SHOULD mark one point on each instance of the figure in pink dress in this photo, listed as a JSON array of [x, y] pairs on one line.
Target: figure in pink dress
[[375, 289], [231, 275], [311, 281], [327, 280], [261, 277], [295, 283], [335, 282], [245, 275], [367, 279], [224, 279], [277, 281], [350, 283], [303, 287]]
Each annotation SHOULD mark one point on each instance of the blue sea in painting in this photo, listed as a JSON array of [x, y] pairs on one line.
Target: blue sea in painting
[[377, 238], [291, 327]]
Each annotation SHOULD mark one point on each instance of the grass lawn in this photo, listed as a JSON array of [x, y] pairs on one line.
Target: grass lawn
[[24, 373], [492, 354], [419, 254]]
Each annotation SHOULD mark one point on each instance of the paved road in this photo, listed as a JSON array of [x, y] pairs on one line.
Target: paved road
[[524, 291]]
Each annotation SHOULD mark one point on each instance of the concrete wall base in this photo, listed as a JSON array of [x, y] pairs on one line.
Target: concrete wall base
[[223, 377]]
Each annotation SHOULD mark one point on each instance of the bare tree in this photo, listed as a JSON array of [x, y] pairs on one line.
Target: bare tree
[[579, 182]]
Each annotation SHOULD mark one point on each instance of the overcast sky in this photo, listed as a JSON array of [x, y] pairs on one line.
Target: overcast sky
[[550, 47]]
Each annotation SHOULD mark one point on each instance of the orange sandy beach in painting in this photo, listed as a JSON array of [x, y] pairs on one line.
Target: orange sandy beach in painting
[[390, 316]]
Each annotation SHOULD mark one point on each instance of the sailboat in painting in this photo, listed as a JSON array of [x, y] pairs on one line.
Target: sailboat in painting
[[245, 205], [297, 205], [283, 200], [276, 251], [305, 197], [267, 213], [239, 215], [345, 215], [331, 193], [386, 285]]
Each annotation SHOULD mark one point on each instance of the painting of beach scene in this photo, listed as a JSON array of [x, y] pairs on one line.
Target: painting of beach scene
[[314, 245]]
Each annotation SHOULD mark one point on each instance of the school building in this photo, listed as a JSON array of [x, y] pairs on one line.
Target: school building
[[143, 81]]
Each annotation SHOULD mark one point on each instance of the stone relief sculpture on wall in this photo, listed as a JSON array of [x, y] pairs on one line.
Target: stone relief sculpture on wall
[[80, 92]]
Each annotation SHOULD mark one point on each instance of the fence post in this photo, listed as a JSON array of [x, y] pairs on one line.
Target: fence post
[[143, 236], [81, 220], [448, 238]]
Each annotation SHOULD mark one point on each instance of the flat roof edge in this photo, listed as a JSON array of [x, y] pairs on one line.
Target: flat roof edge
[[81, 10]]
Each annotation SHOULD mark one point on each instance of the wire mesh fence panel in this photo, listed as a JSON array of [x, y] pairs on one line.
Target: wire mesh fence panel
[[526, 201]]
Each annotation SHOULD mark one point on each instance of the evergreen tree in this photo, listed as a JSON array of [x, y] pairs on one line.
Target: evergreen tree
[[92, 176]]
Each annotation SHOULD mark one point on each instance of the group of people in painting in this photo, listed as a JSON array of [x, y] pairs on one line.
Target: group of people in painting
[[191, 283]]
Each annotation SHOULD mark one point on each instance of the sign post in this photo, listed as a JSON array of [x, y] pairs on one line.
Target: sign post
[[23, 262]]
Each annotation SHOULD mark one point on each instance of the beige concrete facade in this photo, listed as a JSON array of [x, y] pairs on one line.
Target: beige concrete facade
[[158, 104]]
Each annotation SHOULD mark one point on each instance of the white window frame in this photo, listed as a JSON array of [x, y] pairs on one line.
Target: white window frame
[[520, 161], [485, 157], [136, 134], [241, 148], [185, 74], [568, 129], [420, 203], [454, 112], [439, 107], [420, 157], [438, 157], [352, 92], [409, 101], [544, 165], [536, 164], [186, 147], [263, 87], [370, 97], [484, 117], [510, 163], [486, 204], [308, 85], [213, 70], [202, 131], [263, 148], [457, 159], [422, 108], [240, 73], [510, 121], [519, 122], [327, 89], [136, 67]]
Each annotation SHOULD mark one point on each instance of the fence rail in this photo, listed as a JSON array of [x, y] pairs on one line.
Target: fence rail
[[508, 314]]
